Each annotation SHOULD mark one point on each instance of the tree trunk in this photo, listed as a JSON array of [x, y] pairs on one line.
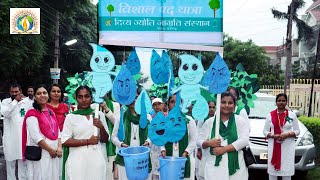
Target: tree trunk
[[289, 49]]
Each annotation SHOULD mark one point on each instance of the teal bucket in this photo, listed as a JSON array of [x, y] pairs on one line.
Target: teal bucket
[[136, 161], [172, 168]]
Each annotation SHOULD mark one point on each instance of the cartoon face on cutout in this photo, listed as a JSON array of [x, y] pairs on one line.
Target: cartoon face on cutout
[[157, 130], [124, 87], [190, 70], [101, 60], [176, 123], [160, 67], [217, 76], [133, 62]]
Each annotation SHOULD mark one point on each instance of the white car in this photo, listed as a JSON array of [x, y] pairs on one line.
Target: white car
[[305, 153]]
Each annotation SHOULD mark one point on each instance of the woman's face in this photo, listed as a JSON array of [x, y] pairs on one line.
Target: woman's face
[[84, 99], [212, 108], [41, 96], [55, 93], [227, 105], [281, 102]]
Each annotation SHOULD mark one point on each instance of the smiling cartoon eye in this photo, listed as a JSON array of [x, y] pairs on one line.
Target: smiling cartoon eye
[[106, 59], [185, 67], [194, 67], [97, 60]]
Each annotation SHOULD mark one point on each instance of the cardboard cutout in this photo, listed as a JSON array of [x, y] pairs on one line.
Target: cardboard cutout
[[176, 123], [102, 62], [124, 87], [133, 62], [143, 122], [217, 76], [160, 67], [190, 73], [157, 130]]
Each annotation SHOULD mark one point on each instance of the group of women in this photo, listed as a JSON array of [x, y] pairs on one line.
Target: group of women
[[90, 156]]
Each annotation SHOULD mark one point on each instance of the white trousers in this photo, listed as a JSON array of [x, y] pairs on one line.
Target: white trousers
[[276, 177], [11, 169]]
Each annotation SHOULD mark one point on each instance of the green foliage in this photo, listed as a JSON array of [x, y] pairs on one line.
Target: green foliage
[[313, 125], [304, 30], [161, 91], [247, 85], [82, 79]]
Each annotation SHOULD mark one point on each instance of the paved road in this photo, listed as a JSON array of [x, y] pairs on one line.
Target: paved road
[[2, 166]]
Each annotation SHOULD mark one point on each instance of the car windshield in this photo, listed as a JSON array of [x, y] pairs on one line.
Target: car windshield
[[262, 106]]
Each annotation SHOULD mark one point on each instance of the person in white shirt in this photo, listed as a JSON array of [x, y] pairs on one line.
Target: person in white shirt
[[30, 93], [191, 145], [224, 156], [14, 109]]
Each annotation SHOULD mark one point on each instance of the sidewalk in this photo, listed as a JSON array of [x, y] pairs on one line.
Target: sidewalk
[[3, 175]]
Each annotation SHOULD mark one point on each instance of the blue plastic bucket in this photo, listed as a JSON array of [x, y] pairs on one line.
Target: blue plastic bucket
[[136, 161], [172, 168]]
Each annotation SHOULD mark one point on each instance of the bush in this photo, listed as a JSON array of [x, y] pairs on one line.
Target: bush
[[313, 125]]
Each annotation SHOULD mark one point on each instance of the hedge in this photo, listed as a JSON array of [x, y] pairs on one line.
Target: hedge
[[313, 125]]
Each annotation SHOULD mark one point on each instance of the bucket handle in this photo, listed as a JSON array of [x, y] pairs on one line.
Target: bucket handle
[[163, 165], [120, 152]]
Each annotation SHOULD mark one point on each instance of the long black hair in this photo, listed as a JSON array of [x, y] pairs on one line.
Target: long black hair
[[35, 103], [56, 85]]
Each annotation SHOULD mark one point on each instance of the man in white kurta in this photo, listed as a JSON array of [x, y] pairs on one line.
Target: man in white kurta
[[13, 110], [221, 171]]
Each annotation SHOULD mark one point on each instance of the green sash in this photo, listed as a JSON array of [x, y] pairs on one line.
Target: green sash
[[129, 118], [110, 147], [229, 133]]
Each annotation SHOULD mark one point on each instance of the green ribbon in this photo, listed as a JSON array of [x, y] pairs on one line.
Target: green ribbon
[[229, 133]]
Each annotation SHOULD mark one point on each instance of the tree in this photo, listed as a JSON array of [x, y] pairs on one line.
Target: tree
[[110, 8], [214, 5], [251, 56], [304, 32]]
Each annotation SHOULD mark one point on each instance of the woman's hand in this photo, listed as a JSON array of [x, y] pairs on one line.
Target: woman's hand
[[59, 152], [104, 107], [163, 153], [218, 151], [146, 144], [214, 142], [199, 154], [124, 145], [283, 136], [97, 123], [53, 153], [93, 140]]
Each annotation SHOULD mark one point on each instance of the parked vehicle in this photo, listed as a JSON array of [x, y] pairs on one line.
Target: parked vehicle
[[305, 152]]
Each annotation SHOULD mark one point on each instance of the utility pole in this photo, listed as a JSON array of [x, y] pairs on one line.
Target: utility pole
[[314, 73], [56, 45], [289, 48]]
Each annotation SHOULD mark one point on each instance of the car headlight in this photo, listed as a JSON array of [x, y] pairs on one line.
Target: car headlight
[[307, 139]]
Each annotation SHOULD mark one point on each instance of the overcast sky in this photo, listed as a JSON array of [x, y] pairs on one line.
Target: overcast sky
[[252, 19]]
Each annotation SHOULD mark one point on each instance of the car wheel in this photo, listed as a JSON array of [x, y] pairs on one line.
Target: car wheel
[[301, 174]]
